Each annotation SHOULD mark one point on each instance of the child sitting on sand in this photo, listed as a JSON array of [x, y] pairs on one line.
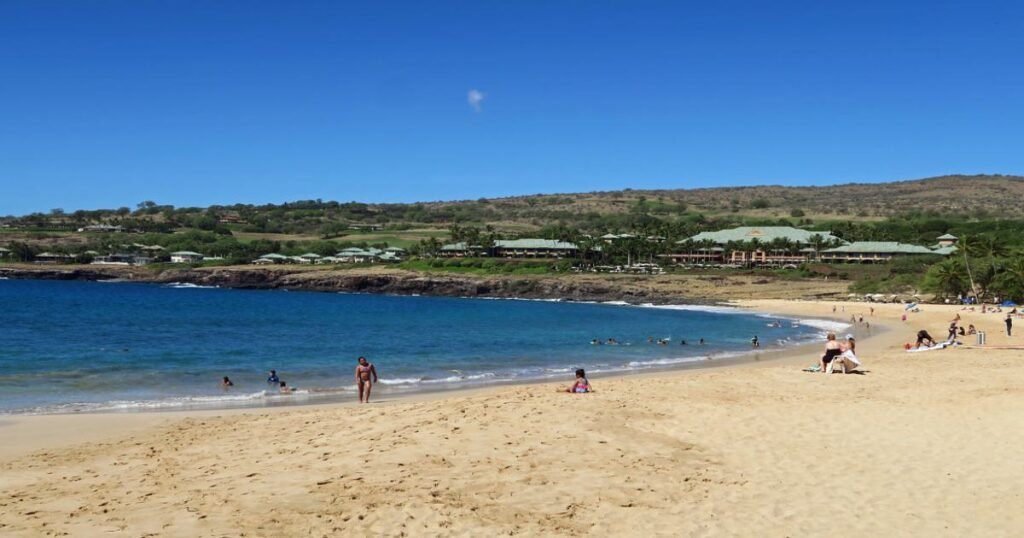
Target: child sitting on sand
[[581, 385]]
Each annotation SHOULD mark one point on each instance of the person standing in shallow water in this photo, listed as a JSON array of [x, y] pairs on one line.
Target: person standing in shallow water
[[364, 372]]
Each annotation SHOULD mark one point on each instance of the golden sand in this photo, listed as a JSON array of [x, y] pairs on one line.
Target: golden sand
[[918, 445]]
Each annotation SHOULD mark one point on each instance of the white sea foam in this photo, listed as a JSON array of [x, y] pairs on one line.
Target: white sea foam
[[825, 324], [665, 362], [401, 381], [188, 286]]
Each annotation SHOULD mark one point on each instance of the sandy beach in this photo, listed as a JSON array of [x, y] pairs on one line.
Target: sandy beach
[[917, 445]]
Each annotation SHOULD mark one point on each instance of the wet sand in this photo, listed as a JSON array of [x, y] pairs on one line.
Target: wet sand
[[914, 446]]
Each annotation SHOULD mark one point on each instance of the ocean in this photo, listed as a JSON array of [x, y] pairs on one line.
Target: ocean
[[99, 346]]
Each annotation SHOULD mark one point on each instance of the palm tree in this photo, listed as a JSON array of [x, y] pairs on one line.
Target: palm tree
[[947, 277], [1010, 281], [753, 246], [967, 244]]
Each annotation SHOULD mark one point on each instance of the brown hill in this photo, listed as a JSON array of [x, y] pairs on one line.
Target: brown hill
[[979, 195]]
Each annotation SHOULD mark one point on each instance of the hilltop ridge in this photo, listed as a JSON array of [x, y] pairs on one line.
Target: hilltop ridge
[[962, 196]]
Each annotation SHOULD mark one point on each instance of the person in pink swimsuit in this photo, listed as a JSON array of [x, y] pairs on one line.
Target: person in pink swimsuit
[[581, 385], [366, 376]]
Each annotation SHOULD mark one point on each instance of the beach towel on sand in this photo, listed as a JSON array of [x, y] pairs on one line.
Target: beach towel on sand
[[940, 345]]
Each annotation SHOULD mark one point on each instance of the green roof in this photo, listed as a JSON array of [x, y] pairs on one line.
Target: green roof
[[881, 247], [354, 251], [539, 244], [764, 234], [944, 251], [947, 237], [185, 253], [274, 257], [4, 249], [458, 246], [549, 244], [310, 255]]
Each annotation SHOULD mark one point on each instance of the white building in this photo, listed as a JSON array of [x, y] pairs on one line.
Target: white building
[[186, 256]]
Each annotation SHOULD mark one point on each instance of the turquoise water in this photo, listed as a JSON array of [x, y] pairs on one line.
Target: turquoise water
[[80, 346]]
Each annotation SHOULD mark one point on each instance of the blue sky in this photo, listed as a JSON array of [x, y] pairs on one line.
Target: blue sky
[[104, 104]]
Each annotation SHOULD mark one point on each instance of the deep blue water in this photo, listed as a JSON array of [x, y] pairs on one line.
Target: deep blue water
[[71, 346]]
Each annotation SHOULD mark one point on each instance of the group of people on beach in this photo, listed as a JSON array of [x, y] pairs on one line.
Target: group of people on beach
[[839, 352], [365, 375]]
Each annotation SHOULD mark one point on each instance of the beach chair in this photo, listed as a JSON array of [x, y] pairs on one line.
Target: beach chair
[[847, 362]]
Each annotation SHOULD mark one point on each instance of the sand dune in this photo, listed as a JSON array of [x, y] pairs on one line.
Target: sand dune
[[919, 445]]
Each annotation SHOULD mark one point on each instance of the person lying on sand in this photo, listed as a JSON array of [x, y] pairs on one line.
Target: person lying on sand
[[581, 385]]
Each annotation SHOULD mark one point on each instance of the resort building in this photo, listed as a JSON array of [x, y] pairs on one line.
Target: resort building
[[947, 240], [461, 250], [358, 255], [52, 258], [514, 248], [611, 238], [105, 228], [871, 251], [874, 252], [753, 245], [268, 259], [699, 255], [186, 256], [118, 259], [393, 254], [534, 248], [946, 245]]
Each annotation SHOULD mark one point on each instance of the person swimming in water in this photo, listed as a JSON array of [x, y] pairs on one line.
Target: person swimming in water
[[226, 382], [364, 372], [273, 379]]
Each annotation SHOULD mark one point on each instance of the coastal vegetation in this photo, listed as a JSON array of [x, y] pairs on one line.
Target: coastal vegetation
[[983, 211]]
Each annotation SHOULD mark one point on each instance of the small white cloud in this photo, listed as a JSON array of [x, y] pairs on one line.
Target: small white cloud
[[475, 98]]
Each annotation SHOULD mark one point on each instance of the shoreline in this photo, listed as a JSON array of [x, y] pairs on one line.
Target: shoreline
[[719, 451], [698, 289], [266, 399], [25, 433]]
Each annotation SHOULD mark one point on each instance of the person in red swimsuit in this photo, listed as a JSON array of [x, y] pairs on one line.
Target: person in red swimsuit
[[364, 372]]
